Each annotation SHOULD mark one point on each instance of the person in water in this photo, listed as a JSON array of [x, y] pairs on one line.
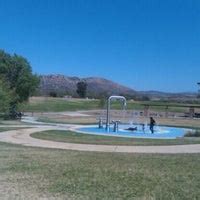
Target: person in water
[[143, 127], [131, 129], [152, 124]]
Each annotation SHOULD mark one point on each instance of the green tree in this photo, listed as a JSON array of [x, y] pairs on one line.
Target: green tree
[[81, 89], [17, 73], [5, 97]]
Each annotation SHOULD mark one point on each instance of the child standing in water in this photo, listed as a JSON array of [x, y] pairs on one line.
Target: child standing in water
[[152, 124]]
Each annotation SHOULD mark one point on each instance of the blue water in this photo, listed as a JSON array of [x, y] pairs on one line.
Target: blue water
[[160, 132]]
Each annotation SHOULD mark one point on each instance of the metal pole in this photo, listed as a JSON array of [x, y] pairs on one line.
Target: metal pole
[[108, 115]]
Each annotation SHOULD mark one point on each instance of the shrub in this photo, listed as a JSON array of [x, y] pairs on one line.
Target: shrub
[[195, 133], [53, 94]]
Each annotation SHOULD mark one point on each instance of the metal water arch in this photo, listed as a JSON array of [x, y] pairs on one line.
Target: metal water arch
[[108, 108]]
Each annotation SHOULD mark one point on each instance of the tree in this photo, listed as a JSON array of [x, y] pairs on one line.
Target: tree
[[16, 72], [81, 89], [53, 94], [5, 97]]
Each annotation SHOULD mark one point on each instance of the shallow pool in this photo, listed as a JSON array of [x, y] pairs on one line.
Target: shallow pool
[[160, 132]]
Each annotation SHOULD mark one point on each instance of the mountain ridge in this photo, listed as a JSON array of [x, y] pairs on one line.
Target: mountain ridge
[[96, 86], [63, 85]]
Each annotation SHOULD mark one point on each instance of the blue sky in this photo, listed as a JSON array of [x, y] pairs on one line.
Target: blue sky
[[144, 44]]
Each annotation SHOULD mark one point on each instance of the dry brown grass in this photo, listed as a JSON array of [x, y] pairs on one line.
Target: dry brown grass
[[93, 118]]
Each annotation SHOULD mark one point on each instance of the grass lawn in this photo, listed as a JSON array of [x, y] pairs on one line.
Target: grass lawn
[[84, 120], [49, 104], [73, 137], [9, 128], [36, 173], [11, 122], [58, 105]]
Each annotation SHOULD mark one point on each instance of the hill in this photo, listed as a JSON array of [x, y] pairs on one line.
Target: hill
[[96, 86], [60, 85]]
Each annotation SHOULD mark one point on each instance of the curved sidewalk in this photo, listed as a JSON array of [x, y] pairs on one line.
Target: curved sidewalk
[[22, 137]]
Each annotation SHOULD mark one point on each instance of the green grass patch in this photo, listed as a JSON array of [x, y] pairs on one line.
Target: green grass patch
[[61, 104], [50, 120], [58, 105], [2, 129], [59, 174], [11, 122], [74, 137]]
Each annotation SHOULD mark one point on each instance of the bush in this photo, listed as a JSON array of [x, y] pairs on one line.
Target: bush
[[53, 94], [195, 133]]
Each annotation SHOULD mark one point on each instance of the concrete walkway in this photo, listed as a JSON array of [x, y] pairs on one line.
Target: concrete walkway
[[22, 137]]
